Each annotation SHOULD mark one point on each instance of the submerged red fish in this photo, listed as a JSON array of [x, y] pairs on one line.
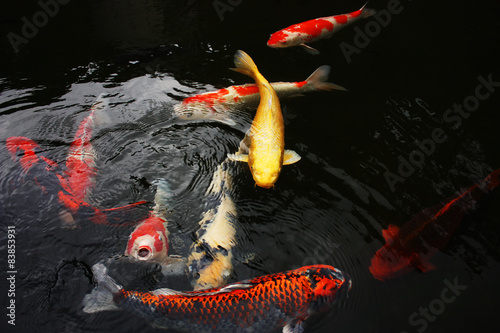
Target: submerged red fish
[[314, 30], [77, 181], [412, 245], [264, 304]]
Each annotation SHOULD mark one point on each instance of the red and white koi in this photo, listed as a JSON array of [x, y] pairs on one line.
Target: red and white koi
[[149, 240], [77, 181], [314, 30], [412, 245], [219, 105], [80, 176]]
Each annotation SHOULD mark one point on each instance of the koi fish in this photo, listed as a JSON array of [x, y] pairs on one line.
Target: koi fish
[[210, 261], [219, 105], [267, 152], [412, 245], [314, 30], [150, 239], [263, 304], [80, 176], [75, 183]]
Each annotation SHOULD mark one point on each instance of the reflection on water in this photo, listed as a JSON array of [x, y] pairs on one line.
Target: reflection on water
[[330, 208]]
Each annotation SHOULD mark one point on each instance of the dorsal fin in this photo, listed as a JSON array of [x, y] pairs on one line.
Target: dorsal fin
[[166, 292], [235, 286]]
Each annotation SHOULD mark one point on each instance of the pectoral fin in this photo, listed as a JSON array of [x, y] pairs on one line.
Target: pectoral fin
[[309, 49], [296, 326], [421, 264], [238, 157], [225, 120], [290, 157]]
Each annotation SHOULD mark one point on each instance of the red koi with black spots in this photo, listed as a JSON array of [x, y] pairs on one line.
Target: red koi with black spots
[[263, 304], [314, 30], [412, 245], [219, 105]]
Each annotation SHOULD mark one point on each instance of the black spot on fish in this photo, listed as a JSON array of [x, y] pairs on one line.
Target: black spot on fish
[[223, 251]]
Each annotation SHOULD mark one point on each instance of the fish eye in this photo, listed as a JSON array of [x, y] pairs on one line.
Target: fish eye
[[160, 238]]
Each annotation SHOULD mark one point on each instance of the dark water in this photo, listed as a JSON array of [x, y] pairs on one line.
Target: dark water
[[329, 208]]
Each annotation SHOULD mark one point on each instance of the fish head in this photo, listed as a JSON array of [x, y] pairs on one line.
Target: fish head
[[388, 263], [149, 241], [265, 169], [328, 284], [283, 39], [195, 110]]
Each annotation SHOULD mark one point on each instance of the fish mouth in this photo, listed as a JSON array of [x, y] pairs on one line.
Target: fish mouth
[[264, 185], [144, 253]]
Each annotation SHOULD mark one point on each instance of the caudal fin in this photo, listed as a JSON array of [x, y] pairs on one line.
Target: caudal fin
[[318, 80], [245, 64], [101, 298], [367, 12]]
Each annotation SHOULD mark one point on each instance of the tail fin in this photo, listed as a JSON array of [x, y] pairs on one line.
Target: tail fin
[[318, 80], [366, 12], [244, 64], [101, 298]]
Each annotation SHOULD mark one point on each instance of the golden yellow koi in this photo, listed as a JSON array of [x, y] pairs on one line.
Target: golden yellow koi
[[266, 153]]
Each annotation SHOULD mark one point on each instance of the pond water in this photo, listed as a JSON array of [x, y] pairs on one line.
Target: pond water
[[392, 146]]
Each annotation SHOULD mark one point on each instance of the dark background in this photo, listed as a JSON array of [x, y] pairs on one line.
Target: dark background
[[329, 208]]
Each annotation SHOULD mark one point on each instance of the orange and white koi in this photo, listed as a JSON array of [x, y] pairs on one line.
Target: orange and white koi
[[221, 104], [314, 30], [267, 152], [417, 241], [280, 301]]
